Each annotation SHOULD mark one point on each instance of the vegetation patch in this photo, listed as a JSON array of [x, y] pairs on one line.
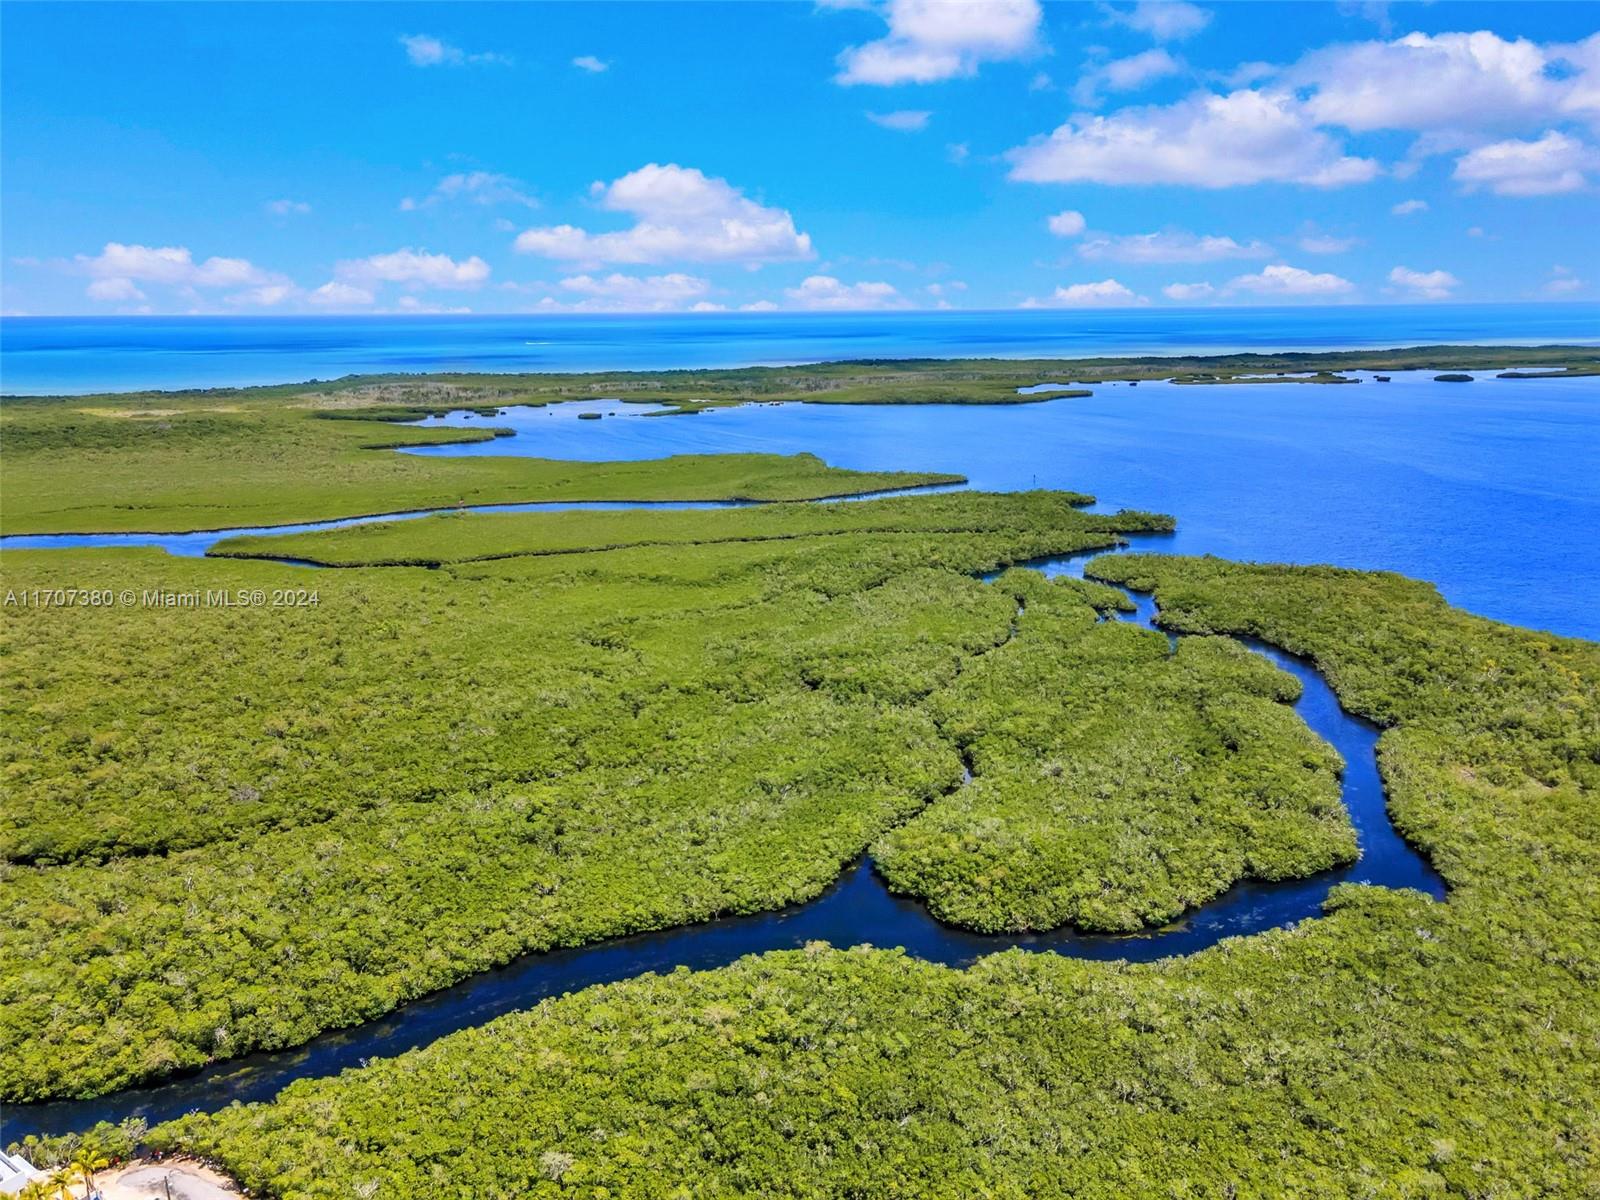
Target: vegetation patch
[[1394, 1047], [69, 470], [233, 827], [464, 537], [1116, 786]]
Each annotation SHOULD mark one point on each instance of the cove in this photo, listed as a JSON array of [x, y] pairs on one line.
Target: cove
[[1433, 480], [857, 909]]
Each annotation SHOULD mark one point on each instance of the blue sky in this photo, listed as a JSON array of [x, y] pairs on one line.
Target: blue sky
[[236, 158]]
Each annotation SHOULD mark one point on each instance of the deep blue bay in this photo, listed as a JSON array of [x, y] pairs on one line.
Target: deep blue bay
[[1491, 490]]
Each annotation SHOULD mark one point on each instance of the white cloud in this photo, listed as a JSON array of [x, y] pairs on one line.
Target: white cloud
[[588, 62], [288, 208], [1449, 81], [904, 121], [477, 187], [114, 289], [118, 270], [1283, 280], [930, 40], [417, 268], [334, 294], [1066, 224], [682, 215], [759, 306], [826, 292], [1187, 291], [411, 304], [958, 152], [1323, 243], [424, 50], [1407, 207], [1164, 20], [266, 296], [632, 293], [1424, 285], [1125, 75], [1108, 293], [1205, 140], [1562, 282], [1552, 165], [1169, 246]]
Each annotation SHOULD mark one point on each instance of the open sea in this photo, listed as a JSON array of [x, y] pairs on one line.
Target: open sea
[[73, 355]]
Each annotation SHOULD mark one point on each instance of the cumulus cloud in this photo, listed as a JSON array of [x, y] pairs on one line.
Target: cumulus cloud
[[588, 62], [904, 121], [1164, 20], [1066, 224], [267, 295], [415, 268], [1205, 140], [1108, 293], [114, 289], [930, 40], [119, 268], [424, 50], [334, 294], [1187, 291], [1323, 243], [1281, 279], [287, 208], [476, 187], [826, 292], [1455, 91], [1562, 282], [1553, 164], [1408, 207], [1448, 81], [1423, 285], [413, 304], [1169, 246], [1125, 75], [681, 215], [632, 293]]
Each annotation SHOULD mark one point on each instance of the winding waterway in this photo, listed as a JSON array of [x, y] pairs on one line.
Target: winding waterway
[[857, 909]]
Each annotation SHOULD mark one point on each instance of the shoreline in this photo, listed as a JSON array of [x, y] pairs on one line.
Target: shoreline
[[1580, 358]]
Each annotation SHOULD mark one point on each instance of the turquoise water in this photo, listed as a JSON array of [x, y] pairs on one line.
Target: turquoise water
[[67, 355]]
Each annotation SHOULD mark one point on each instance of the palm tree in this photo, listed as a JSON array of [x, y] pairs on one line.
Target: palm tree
[[37, 1190], [91, 1157], [59, 1183]]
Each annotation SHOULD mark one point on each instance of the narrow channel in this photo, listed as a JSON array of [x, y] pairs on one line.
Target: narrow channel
[[857, 909]]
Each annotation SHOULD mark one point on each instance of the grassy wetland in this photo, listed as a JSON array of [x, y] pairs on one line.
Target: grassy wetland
[[229, 828]]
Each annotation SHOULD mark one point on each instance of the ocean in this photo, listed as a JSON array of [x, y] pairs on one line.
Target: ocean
[[75, 355]]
